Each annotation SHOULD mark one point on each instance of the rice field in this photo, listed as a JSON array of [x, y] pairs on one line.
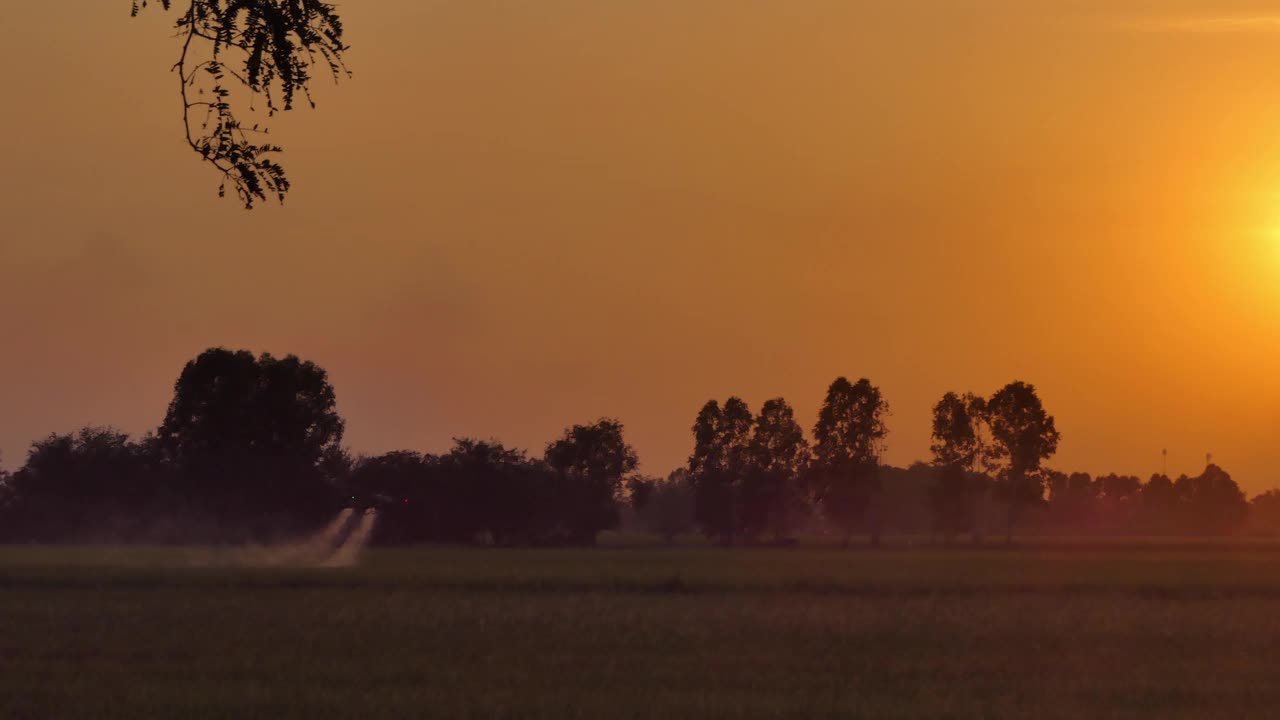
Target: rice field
[[1055, 630]]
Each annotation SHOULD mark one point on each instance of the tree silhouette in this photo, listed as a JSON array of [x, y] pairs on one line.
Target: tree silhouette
[[592, 461], [905, 499], [1023, 435], [1074, 501], [95, 483], [640, 489], [848, 442], [248, 435], [666, 507], [718, 464], [1118, 502], [1159, 501], [779, 455], [1264, 512], [957, 447], [488, 488], [713, 494], [268, 48], [399, 484], [250, 445], [1213, 503], [6, 502]]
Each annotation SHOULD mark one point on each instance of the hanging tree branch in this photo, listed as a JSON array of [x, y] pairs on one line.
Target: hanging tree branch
[[269, 47]]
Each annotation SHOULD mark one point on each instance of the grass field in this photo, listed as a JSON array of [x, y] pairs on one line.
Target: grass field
[[1072, 630]]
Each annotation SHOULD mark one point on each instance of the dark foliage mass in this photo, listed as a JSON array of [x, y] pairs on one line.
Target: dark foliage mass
[[78, 486], [266, 48], [247, 436], [589, 464], [848, 442], [987, 473], [242, 453], [250, 449], [664, 506], [481, 489]]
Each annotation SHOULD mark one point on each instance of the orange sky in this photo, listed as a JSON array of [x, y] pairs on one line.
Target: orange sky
[[521, 215]]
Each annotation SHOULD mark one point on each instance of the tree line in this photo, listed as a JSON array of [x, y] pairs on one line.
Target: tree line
[[250, 448], [757, 479]]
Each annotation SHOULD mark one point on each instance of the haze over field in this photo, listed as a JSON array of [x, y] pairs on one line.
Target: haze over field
[[520, 215]]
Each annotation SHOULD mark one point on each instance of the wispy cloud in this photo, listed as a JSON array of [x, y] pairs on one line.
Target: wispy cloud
[[1237, 24]]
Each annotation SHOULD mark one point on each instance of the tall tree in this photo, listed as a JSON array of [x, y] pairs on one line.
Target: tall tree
[[592, 460], [269, 49], [736, 436], [718, 464], [1023, 436], [249, 435], [779, 455], [958, 424], [709, 476], [849, 439]]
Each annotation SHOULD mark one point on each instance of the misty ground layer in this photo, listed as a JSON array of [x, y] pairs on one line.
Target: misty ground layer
[[1054, 631]]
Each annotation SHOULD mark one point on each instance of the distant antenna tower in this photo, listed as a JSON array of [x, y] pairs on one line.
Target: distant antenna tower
[[1208, 459], [1165, 456]]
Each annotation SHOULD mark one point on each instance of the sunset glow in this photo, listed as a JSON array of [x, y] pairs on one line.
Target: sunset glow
[[640, 359], [517, 216]]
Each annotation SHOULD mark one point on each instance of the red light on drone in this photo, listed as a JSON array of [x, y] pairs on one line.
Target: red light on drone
[[406, 499]]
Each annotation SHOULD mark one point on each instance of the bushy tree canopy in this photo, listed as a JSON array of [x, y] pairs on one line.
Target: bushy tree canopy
[[249, 434], [849, 439], [959, 429], [779, 456], [720, 460], [592, 461], [1023, 436]]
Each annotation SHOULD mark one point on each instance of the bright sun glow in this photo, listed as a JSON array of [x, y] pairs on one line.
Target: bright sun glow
[[1266, 240], [1270, 242]]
